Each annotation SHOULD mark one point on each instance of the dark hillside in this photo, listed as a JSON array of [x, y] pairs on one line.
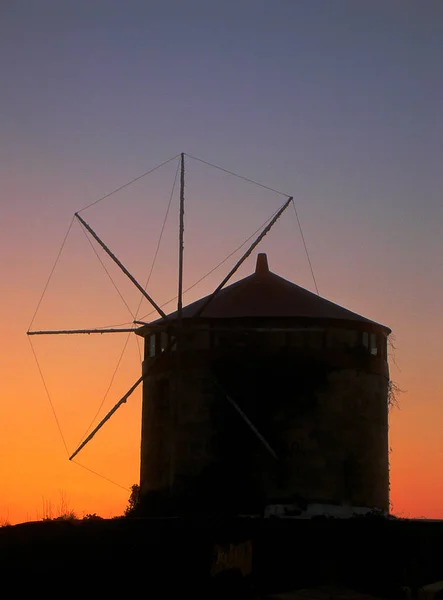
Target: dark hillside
[[371, 555]]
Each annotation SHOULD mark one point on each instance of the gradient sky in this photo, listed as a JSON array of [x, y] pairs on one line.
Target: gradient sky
[[338, 103]]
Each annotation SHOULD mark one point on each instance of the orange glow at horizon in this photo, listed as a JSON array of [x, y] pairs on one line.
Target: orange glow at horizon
[[78, 370]]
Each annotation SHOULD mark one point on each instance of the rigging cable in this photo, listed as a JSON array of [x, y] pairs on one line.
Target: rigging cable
[[117, 325], [219, 264], [59, 426], [239, 176], [115, 286], [160, 238], [49, 397], [306, 248], [106, 270], [125, 185], [138, 342], [266, 188], [124, 348], [138, 308], [51, 273], [107, 390], [99, 475], [150, 273]]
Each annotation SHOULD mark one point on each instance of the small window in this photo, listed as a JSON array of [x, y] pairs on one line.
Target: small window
[[234, 339], [163, 340], [152, 345], [373, 344], [346, 339], [366, 339]]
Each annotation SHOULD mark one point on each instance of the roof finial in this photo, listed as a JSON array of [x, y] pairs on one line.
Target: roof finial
[[261, 267]]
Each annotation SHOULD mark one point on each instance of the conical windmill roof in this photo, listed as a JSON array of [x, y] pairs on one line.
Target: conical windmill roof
[[267, 295]]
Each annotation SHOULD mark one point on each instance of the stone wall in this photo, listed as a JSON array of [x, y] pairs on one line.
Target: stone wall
[[327, 426]]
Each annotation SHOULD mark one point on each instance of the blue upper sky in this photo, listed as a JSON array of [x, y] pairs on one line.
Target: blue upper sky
[[325, 89]]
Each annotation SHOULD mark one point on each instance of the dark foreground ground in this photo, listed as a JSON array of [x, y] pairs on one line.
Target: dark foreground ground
[[243, 558]]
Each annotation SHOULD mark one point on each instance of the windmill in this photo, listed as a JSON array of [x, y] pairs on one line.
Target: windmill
[[175, 330], [240, 395]]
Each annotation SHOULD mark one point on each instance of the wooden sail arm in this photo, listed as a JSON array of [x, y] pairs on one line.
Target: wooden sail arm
[[243, 258], [122, 267], [181, 242], [124, 398], [77, 331], [247, 420], [109, 415]]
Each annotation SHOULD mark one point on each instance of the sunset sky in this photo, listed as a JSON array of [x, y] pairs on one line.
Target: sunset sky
[[338, 103]]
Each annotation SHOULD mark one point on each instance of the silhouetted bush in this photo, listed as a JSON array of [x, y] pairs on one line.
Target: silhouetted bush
[[133, 502], [92, 517], [69, 516]]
